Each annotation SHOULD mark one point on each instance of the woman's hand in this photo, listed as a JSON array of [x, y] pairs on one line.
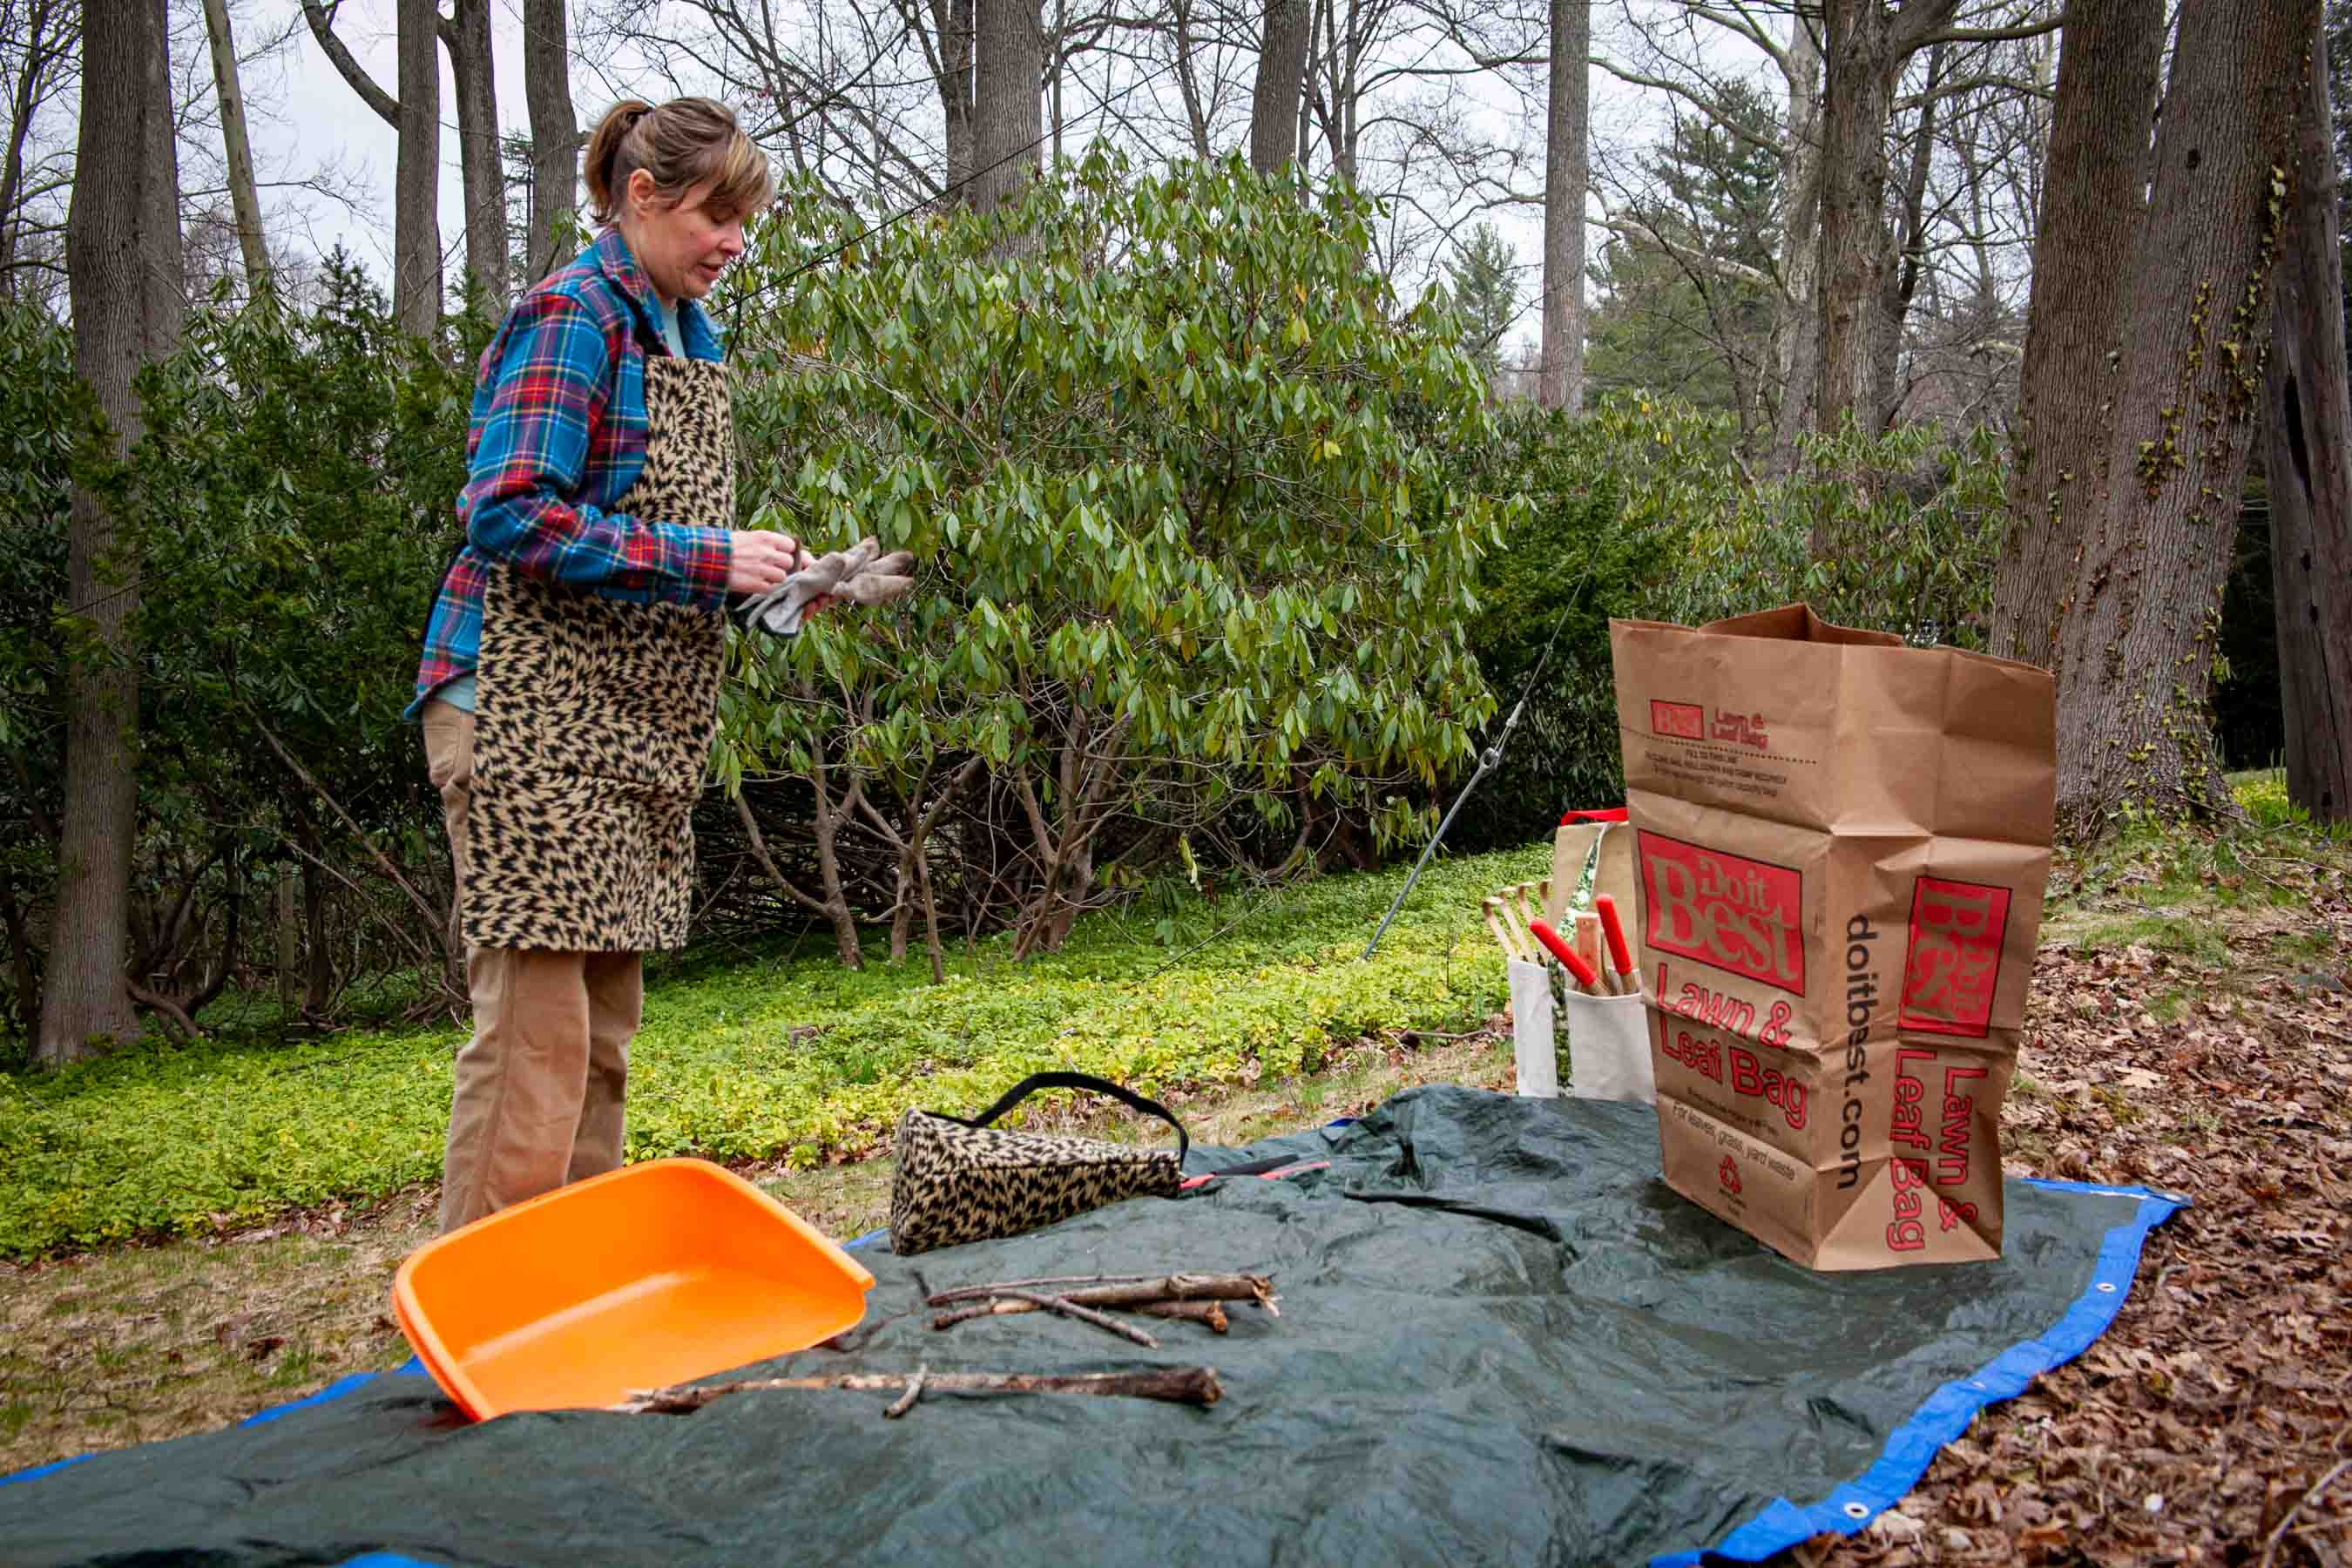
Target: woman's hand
[[761, 558]]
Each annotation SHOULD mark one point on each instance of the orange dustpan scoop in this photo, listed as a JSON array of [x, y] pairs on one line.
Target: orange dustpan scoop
[[638, 1279]]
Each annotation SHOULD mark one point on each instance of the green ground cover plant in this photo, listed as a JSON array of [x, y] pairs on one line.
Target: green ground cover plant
[[776, 1056]]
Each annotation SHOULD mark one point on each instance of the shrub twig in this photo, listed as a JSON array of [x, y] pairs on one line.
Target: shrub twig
[[1174, 1385]]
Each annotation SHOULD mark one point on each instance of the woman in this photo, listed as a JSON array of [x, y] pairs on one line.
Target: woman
[[570, 681]]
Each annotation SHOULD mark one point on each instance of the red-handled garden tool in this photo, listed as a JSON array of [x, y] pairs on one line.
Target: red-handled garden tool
[[1587, 978], [1620, 955]]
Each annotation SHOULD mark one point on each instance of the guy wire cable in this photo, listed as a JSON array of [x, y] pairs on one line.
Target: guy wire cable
[[1488, 760]]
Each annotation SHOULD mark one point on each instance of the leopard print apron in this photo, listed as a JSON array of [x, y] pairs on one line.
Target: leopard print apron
[[593, 717]]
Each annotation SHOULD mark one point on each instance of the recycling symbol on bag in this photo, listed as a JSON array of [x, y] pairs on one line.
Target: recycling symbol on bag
[[1728, 1173]]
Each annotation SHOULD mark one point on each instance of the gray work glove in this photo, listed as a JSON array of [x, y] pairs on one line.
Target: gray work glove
[[861, 575]]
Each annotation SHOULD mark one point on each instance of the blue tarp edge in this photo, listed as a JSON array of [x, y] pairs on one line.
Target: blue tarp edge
[[1782, 1524], [333, 1391], [1948, 1412]]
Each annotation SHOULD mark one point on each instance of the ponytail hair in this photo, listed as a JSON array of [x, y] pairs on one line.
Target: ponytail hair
[[681, 143]]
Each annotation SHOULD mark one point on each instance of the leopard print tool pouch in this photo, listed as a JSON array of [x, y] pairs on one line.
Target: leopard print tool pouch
[[962, 1180]]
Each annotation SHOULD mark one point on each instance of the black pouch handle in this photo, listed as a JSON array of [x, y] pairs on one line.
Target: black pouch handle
[[1126, 1096]]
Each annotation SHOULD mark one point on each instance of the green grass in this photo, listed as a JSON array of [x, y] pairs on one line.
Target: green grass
[[159, 1138], [2262, 793], [2185, 936], [2312, 947], [2165, 867]]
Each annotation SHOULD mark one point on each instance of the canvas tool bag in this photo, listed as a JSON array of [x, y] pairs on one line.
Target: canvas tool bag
[[960, 1179], [1534, 1030], [1608, 1047], [1841, 844], [1608, 1037]]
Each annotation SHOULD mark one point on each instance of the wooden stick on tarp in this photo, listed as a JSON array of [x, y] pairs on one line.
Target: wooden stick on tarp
[[1209, 1312], [1083, 1314], [1174, 1385], [1258, 1287]]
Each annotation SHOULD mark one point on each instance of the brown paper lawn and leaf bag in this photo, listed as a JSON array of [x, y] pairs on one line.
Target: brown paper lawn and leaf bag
[[1841, 844]]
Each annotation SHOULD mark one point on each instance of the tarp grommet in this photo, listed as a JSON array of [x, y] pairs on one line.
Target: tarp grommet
[[1857, 1511]]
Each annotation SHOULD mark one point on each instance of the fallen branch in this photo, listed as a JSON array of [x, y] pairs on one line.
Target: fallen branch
[[1209, 1312], [2271, 1546], [1070, 1309], [906, 1402], [1050, 1279], [1258, 1287], [994, 1306], [1174, 1385]]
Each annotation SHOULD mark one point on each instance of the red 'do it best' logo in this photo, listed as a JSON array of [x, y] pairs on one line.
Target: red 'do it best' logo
[[1728, 1174], [1954, 956], [1683, 720], [1745, 917]]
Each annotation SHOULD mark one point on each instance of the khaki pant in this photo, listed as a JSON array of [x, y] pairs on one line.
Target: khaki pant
[[540, 1088]]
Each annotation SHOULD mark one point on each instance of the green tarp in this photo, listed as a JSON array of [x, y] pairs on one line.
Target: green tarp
[[1501, 1340]]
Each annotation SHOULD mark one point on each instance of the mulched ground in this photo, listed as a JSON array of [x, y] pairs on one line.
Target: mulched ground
[[2212, 1423]]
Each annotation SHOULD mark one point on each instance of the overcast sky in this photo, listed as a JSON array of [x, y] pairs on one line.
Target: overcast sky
[[304, 114], [302, 111]]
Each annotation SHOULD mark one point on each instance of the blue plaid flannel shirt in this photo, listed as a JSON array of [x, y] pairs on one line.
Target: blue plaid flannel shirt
[[558, 436]]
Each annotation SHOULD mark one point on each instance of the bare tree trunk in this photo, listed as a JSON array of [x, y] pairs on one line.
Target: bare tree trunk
[[2137, 647], [50, 39], [1008, 110], [1281, 77], [1061, 62], [554, 131], [1796, 322], [1567, 172], [2311, 473], [1188, 86], [920, 808], [124, 266], [830, 815], [467, 36], [1335, 96], [1306, 91], [1063, 849], [290, 939], [245, 200], [1348, 108], [416, 184], [1905, 258], [318, 978], [23, 94], [930, 919], [26, 981], [829, 902], [1866, 45], [953, 20], [2092, 217], [902, 911]]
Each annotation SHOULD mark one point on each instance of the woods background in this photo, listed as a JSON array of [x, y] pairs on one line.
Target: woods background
[[1261, 385]]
